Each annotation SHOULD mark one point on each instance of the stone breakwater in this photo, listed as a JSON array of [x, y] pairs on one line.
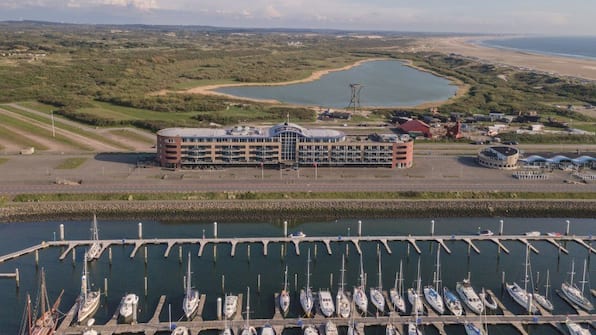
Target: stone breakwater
[[296, 210]]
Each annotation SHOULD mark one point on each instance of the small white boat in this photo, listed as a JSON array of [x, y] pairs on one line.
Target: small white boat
[[190, 303], [180, 330], [576, 329], [330, 328], [297, 234], [306, 299], [533, 233], [230, 305], [554, 234], [391, 330], [359, 295], [95, 248], [413, 329], [396, 293], [488, 300], [431, 293], [90, 332], [543, 300], [486, 232], [376, 297], [310, 330], [284, 296], [267, 330], [88, 299], [471, 329], [469, 297], [452, 302], [341, 300], [573, 293], [521, 295], [414, 296], [247, 329], [128, 308], [326, 303]]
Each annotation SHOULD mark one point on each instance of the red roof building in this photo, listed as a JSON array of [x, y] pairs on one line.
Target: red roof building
[[416, 127]]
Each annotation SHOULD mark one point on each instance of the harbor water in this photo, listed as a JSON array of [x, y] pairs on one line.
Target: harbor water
[[216, 272], [384, 83]]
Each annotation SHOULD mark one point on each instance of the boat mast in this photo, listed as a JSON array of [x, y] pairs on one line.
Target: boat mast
[[379, 256], [308, 273], [437, 279], [418, 281], [572, 272], [343, 271], [188, 278], [94, 231], [286, 279], [401, 279], [361, 273], [583, 282], [84, 282], [246, 326], [526, 269], [547, 284]]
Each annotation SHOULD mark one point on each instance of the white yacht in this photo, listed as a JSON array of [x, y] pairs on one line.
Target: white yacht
[[413, 326], [267, 330], [297, 234], [181, 330], [391, 330], [128, 308], [190, 302], [342, 302], [469, 297], [576, 329], [376, 295], [396, 293], [284, 296], [573, 293], [472, 329], [230, 305], [88, 300], [247, 329], [330, 328], [306, 299], [452, 302], [533, 233], [94, 250], [310, 330], [413, 329], [543, 300], [359, 295], [326, 303], [488, 300], [521, 295], [227, 330], [414, 296], [431, 293]]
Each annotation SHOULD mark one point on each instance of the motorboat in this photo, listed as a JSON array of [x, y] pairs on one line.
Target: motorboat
[[488, 300], [267, 330], [297, 234], [180, 330], [190, 302], [306, 298], [521, 295], [90, 332], [94, 250], [472, 329], [331, 328], [485, 232], [452, 302], [431, 293], [247, 329], [359, 295], [396, 292], [230, 305], [469, 297], [414, 296], [533, 233], [376, 295], [576, 329], [128, 308], [310, 330], [341, 300], [573, 293], [284, 296], [326, 303], [543, 300], [88, 299], [554, 234]]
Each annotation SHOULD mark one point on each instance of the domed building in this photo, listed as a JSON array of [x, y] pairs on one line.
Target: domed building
[[499, 157], [281, 144]]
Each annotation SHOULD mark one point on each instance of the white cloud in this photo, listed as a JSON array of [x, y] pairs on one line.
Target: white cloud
[[272, 13]]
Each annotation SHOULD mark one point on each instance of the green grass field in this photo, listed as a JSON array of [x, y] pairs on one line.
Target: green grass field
[[185, 85], [10, 136], [132, 135], [71, 163], [38, 106], [109, 111]]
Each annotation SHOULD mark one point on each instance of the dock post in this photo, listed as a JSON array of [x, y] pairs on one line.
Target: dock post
[[408, 250], [215, 229], [500, 228], [145, 255], [469, 275], [223, 284], [184, 282], [330, 280], [74, 256], [259, 283], [281, 251], [214, 252], [61, 232], [146, 285], [17, 277], [37, 258], [140, 230], [180, 254], [105, 286], [347, 251], [285, 228], [359, 227], [295, 281], [432, 227], [110, 255], [248, 253], [315, 251], [567, 228], [469, 249], [503, 278], [219, 306]]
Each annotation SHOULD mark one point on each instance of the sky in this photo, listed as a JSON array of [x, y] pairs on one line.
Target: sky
[[550, 17]]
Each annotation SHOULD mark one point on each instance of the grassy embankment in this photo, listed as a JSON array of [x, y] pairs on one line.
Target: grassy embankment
[[71, 163]]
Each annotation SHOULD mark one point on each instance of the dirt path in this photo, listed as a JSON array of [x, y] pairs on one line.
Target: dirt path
[[131, 142], [52, 146]]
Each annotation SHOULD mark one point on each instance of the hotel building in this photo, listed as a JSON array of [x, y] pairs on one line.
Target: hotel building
[[279, 145]]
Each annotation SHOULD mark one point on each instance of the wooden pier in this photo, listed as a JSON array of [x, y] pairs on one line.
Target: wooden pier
[[137, 244]]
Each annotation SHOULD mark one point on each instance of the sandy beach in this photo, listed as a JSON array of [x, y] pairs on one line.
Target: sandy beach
[[565, 66]]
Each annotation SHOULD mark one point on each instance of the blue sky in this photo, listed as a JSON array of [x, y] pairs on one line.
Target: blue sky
[[553, 17]]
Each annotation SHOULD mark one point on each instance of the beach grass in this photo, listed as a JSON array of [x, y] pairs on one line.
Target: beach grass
[[121, 113], [129, 134], [71, 163]]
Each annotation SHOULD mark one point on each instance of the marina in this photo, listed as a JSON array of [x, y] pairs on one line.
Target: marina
[[265, 273]]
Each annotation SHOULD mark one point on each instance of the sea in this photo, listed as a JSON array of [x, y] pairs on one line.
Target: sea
[[570, 46], [216, 272]]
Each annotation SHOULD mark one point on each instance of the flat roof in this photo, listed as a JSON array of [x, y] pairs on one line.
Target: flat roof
[[250, 131]]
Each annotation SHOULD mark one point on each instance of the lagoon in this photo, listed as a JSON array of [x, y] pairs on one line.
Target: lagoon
[[385, 83]]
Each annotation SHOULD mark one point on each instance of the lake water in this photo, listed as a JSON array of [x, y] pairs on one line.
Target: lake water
[[384, 84], [580, 47], [165, 276]]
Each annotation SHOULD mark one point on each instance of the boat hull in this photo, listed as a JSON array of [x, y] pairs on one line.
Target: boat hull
[[469, 297], [190, 304], [88, 308], [434, 300], [522, 297], [574, 295]]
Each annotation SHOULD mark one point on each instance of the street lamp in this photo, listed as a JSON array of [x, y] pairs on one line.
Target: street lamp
[[316, 170]]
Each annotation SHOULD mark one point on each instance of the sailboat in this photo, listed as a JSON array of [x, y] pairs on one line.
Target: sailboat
[[469, 297], [326, 303], [471, 328], [452, 302], [191, 296], [94, 250], [359, 297], [247, 329], [284, 296], [230, 305], [431, 294], [414, 295], [342, 302], [306, 299], [267, 330], [47, 322], [180, 330], [376, 295], [331, 328], [521, 295], [542, 300], [413, 326], [576, 329], [573, 293], [391, 330], [310, 330], [397, 292], [88, 300]]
